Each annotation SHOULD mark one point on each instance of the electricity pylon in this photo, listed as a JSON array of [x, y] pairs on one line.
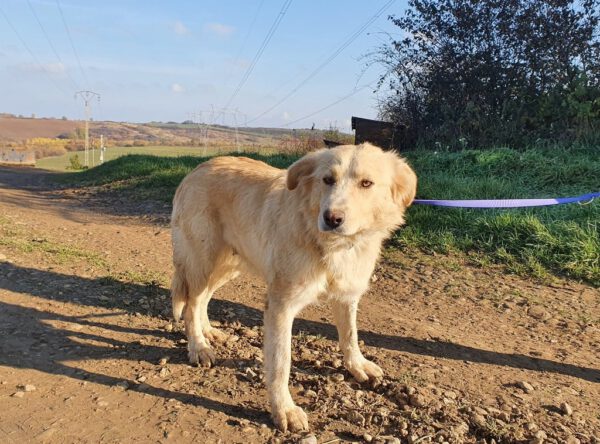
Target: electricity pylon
[[87, 97]]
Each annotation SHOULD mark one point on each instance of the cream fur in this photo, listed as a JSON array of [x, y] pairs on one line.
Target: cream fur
[[232, 214]]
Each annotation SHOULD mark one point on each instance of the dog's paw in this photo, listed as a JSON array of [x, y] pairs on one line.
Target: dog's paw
[[363, 369], [201, 355], [290, 418], [216, 336]]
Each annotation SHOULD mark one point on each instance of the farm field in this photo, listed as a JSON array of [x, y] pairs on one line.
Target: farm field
[[471, 351], [61, 163]]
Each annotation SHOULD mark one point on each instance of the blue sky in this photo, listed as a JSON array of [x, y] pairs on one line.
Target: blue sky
[[160, 60]]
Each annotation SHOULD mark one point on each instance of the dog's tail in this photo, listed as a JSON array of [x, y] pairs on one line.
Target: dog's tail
[[179, 292]]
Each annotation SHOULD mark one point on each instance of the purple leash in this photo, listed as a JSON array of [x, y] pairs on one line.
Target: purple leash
[[507, 203]]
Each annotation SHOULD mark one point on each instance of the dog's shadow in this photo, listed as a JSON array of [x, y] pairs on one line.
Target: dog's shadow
[[20, 323]]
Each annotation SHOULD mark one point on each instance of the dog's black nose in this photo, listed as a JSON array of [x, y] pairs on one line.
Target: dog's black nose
[[333, 219]]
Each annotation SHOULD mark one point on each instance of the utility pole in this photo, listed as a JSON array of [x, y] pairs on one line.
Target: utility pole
[[87, 97], [102, 149]]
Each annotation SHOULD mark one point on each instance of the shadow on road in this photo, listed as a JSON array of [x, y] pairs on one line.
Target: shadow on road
[[84, 291]]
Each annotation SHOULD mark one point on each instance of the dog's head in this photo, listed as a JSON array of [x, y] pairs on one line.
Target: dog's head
[[354, 189]]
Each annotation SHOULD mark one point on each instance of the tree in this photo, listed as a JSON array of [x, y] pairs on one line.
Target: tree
[[493, 71]]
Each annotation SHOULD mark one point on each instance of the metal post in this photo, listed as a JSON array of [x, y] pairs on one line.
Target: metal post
[[87, 96], [101, 149]]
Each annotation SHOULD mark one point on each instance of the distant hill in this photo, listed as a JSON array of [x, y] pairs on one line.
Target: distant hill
[[20, 129], [16, 129]]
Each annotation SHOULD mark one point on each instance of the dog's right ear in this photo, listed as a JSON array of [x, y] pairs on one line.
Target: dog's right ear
[[299, 169]]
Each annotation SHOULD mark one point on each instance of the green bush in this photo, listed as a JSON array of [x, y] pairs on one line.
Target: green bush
[[75, 163]]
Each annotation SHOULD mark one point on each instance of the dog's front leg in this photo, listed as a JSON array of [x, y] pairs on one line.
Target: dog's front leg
[[279, 317], [344, 312]]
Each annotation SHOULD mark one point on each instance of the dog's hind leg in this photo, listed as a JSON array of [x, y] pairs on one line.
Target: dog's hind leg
[[223, 273], [199, 332], [199, 350]]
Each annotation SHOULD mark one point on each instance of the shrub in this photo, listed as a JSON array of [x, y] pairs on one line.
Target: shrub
[[75, 163]]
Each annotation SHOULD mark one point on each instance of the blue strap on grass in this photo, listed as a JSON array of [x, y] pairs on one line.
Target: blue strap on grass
[[507, 203]]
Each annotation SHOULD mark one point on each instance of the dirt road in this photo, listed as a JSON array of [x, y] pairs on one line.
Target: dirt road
[[88, 352]]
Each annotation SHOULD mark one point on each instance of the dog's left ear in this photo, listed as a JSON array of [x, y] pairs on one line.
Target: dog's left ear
[[299, 169], [404, 186]]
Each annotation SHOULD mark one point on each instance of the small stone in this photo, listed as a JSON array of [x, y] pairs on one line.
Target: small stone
[[367, 437], [479, 420], [525, 386], [309, 439], [537, 312], [355, 418], [168, 327], [249, 333], [392, 440], [29, 387], [572, 440], [310, 393], [566, 409], [123, 385], [461, 429], [337, 377], [336, 363], [102, 404], [417, 400], [250, 374], [450, 394], [164, 372], [532, 427], [539, 437], [504, 416], [18, 394]]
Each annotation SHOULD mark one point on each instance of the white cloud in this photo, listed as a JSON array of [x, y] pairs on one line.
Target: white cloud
[[219, 29], [177, 88], [50, 68], [180, 29]]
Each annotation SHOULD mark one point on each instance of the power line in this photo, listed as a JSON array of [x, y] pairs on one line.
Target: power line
[[51, 45], [245, 40], [260, 51], [40, 66], [355, 91], [72, 45], [329, 59]]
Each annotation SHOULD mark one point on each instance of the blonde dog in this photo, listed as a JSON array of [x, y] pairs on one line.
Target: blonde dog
[[312, 231]]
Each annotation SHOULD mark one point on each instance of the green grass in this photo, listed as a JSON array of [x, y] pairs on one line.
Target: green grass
[[60, 253], [61, 163], [562, 240]]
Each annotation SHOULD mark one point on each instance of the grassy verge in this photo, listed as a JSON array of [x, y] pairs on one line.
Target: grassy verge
[[561, 240], [62, 163]]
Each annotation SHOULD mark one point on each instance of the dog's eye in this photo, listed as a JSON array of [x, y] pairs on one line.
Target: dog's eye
[[329, 180], [365, 183]]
